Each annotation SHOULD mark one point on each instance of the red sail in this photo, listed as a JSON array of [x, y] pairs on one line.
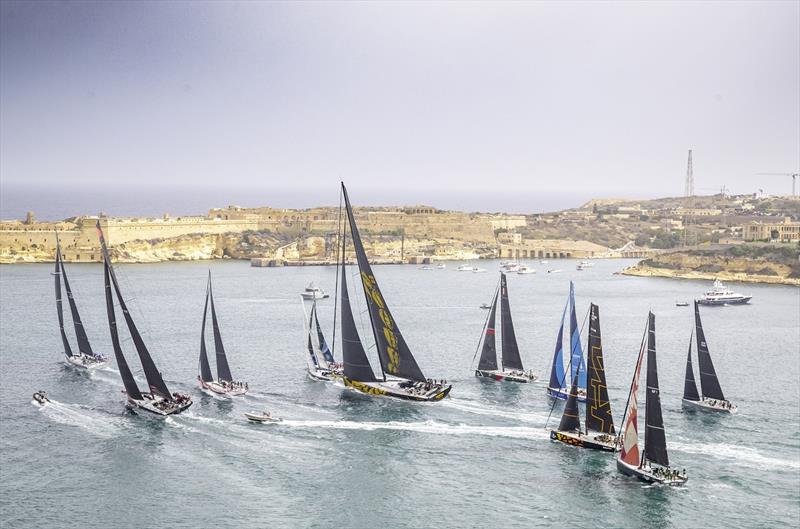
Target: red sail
[[630, 428]]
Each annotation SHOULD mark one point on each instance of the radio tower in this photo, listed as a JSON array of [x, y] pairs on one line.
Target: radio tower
[[689, 189]]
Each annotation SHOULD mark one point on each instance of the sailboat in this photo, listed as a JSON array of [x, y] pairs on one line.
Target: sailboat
[[159, 400], [712, 398], [401, 376], [556, 387], [321, 364], [599, 431], [84, 357], [652, 465], [487, 365], [224, 383]]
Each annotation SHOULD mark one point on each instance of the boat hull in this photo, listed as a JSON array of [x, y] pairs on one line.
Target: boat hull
[[311, 297], [563, 393], [393, 390], [585, 440], [647, 475], [708, 405], [725, 301], [84, 361], [262, 419], [505, 376], [150, 403], [219, 389], [324, 375]]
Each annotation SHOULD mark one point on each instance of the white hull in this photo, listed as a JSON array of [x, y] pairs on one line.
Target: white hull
[[394, 388], [158, 405], [84, 361], [220, 389], [262, 418], [507, 376], [309, 296], [324, 375], [650, 474], [711, 405]]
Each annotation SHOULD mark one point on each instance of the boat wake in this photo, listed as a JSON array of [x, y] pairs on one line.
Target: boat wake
[[742, 454], [493, 412], [80, 417], [430, 427]]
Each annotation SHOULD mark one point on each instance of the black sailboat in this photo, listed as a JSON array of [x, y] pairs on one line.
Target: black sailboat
[[653, 464], [401, 377], [599, 430], [159, 399], [712, 398], [84, 356], [224, 383], [321, 364], [511, 368]]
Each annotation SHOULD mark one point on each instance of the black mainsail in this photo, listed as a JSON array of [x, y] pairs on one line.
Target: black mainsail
[[83, 341], [59, 303], [598, 405], [689, 385], [655, 441], [223, 370], [708, 376], [154, 379], [571, 420], [125, 372], [510, 349], [393, 352], [488, 360], [356, 363], [205, 367]]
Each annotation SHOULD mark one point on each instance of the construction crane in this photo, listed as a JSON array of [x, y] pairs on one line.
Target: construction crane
[[794, 179]]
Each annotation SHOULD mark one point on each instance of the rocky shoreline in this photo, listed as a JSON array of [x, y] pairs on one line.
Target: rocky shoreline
[[647, 271]]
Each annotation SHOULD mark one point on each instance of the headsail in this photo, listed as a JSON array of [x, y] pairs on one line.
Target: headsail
[[356, 363], [488, 360], [576, 358], [223, 370], [571, 420], [83, 341], [310, 345], [395, 356], [689, 385], [630, 443], [323, 344], [59, 303], [708, 376], [205, 368], [557, 371], [655, 442], [511, 359], [154, 379], [125, 372], [598, 406]]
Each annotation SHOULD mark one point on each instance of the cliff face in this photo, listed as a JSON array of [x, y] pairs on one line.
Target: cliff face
[[728, 264]]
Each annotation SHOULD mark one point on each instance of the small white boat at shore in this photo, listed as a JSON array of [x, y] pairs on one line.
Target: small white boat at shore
[[554, 271], [477, 270], [464, 268], [314, 292], [526, 270]]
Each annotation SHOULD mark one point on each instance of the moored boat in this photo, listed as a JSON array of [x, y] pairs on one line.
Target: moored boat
[[652, 465], [159, 400], [523, 270], [599, 433], [401, 376], [722, 295], [511, 369], [712, 398], [84, 357], [224, 383], [465, 268], [314, 292], [556, 387], [554, 271]]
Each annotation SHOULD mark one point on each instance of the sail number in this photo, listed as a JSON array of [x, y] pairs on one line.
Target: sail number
[[371, 288]]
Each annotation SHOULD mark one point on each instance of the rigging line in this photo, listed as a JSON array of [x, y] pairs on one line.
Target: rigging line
[[339, 241], [485, 324]]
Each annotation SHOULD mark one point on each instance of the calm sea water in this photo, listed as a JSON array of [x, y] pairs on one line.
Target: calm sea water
[[479, 459]]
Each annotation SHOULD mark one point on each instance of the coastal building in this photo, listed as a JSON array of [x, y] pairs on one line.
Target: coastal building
[[551, 249], [785, 231]]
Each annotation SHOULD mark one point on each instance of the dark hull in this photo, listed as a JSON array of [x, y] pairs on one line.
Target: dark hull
[[386, 390], [501, 376], [582, 441], [646, 476]]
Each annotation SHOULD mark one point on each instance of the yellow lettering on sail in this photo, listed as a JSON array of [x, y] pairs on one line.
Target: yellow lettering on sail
[[391, 339], [385, 318]]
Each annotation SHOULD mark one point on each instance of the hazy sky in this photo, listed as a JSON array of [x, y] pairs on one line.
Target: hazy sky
[[415, 98]]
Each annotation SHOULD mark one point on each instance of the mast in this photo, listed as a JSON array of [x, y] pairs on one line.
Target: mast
[[83, 341], [488, 359], [630, 444], [557, 375], [571, 420], [354, 358], [509, 345], [154, 379], [598, 405], [708, 376], [576, 351], [205, 368], [59, 304], [655, 442], [223, 370], [125, 372], [323, 345], [689, 385], [393, 352]]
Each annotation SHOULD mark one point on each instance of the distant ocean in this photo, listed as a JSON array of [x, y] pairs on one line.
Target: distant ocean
[[60, 202]]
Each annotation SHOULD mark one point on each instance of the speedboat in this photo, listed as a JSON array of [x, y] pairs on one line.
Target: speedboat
[[477, 270], [583, 265], [526, 270], [511, 267], [681, 303], [722, 295], [554, 271], [441, 266], [465, 268], [40, 397], [314, 292], [262, 417], [427, 267]]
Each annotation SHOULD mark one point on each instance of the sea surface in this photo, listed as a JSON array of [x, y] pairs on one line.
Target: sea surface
[[481, 458]]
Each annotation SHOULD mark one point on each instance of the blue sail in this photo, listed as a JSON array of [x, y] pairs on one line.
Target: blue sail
[[575, 348], [557, 371]]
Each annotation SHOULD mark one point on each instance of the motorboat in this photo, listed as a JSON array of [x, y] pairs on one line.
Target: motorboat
[[526, 270], [465, 268], [40, 397], [314, 292], [427, 267], [511, 267], [263, 417], [722, 295], [477, 270], [554, 271], [583, 265], [681, 303], [441, 266], [486, 306]]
